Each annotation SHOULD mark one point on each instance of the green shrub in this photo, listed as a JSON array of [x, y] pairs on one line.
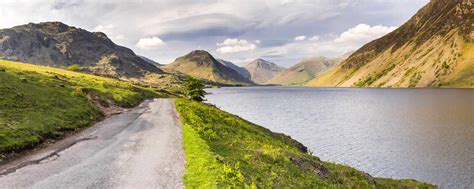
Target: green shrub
[[74, 68]]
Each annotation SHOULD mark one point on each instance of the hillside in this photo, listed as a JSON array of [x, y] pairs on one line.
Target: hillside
[[242, 71], [58, 45], [225, 151], [39, 103], [202, 65], [261, 70], [433, 49], [304, 71]]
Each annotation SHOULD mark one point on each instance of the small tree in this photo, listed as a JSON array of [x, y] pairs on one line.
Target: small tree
[[194, 89]]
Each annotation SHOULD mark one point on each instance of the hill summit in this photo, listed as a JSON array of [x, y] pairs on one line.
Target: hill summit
[[202, 65]]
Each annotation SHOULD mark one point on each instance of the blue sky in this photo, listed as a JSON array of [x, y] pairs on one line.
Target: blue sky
[[281, 31]]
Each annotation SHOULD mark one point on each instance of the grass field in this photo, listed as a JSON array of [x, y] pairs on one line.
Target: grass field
[[225, 151], [40, 103]]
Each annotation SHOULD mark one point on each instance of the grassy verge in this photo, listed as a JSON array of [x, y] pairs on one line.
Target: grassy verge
[[223, 150], [40, 103]]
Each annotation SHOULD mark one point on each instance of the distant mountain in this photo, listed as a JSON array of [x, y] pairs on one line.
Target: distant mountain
[[202, 65], [242, 71], [304, 71], [150, 61], [433, 49], [261, 70], [58, 45]]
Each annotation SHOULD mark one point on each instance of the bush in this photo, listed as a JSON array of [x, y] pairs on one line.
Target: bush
[[74, 68], [194, 89]]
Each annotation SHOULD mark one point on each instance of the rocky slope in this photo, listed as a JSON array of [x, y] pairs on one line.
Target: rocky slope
[[433, 49], [304, 71], [202, 65], [58, 45], [261, 70]]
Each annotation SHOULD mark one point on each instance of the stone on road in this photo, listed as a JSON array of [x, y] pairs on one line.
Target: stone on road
[[141, 148]]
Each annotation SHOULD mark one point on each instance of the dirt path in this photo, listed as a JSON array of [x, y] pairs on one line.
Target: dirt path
[[141, 148]]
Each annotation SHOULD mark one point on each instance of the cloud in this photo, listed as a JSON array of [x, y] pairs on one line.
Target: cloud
[[362, 34], [235, 46], [104, 28], [314, 38], [300, 38], [150, 43]]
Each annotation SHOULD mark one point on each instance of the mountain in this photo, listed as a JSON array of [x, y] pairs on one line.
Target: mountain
[[58, 45], [304, 71], [202, 65], [261, 70], [242, 71], [433, 49], [151, 61]]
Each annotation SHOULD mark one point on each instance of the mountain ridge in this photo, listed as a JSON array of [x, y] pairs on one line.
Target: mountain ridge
[[304, 71], [432, 49], [261, 70], [56, 44]]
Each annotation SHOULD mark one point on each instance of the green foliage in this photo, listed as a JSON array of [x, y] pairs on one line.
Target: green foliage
[[194, 89], [225, 151], [74, 68], [40, 103]]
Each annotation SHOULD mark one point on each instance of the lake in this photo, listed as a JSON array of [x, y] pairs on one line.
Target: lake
[[423, 134]]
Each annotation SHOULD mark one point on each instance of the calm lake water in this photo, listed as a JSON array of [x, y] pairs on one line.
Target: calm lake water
[[423, 134]]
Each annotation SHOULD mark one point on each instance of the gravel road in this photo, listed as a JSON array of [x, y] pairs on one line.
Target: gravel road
[[140, 148]]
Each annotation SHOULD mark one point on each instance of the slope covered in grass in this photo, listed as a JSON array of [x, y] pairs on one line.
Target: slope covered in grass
[[39, 103], [223, 150], [432, 49]]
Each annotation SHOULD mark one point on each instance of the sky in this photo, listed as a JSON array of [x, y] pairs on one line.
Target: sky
[[281, 31]]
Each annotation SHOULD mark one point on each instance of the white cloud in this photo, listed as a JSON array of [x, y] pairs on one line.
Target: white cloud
[[314, 38], [362, 34], [119, 37], [104, 28], [150, 43], [235, 46], [300, 38]]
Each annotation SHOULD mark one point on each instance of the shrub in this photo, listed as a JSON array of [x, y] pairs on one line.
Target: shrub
[[74, 68]]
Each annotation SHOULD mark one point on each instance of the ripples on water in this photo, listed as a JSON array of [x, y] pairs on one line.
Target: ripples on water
[[424, 134]]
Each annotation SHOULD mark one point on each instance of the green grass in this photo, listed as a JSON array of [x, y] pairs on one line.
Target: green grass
[[40, 103], [225, 151]]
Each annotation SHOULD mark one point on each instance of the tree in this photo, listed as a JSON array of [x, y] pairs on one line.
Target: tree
[[194, 89]]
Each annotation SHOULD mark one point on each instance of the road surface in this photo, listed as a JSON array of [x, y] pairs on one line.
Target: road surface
[[141, 148]]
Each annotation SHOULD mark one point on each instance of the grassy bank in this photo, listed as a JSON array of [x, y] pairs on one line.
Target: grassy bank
[[40, 103], [223, 150]]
